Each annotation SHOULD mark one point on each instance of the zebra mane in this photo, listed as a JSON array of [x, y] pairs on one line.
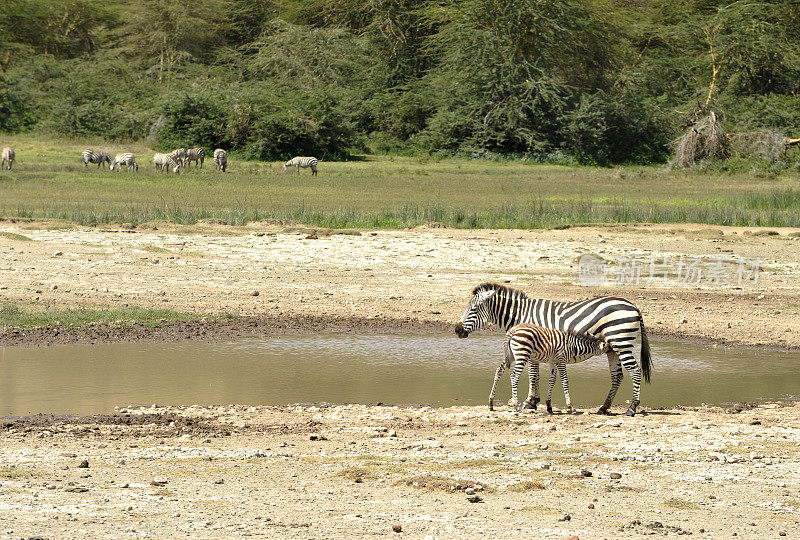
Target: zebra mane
[[501, 289]]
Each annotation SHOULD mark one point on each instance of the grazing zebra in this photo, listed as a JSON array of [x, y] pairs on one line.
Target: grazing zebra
[[127, 159], [616, 320], [221, 159], [166, 162], [528, 342], [179, 156], [303, 162], [95, 156], [8, 157], [196, 155]]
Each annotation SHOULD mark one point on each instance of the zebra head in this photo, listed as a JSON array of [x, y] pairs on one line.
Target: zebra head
[[287, 165], [477, 313]]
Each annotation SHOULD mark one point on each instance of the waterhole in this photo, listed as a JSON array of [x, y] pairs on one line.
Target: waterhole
[[344, 368]]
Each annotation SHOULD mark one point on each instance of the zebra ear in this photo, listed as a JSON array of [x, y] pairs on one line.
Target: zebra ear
[[483, 296]]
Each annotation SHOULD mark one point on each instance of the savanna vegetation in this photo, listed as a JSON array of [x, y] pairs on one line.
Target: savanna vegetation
[[558, 81]]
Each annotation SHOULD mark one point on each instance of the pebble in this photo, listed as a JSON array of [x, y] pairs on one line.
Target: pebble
[[469, 491], [84, 464], [397, 528], [615, 476], [60, 253], [219, 481], [586, 474], [565, 517], [254, 293], [159, 481], [475, 499]]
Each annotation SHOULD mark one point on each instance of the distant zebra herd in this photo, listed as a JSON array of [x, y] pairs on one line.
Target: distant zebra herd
[[173, 161]]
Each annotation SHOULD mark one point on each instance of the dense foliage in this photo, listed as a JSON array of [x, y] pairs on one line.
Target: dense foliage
[[598, 81]]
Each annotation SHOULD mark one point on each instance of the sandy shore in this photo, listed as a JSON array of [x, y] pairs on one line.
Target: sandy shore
[[397, 281], [355, 471]]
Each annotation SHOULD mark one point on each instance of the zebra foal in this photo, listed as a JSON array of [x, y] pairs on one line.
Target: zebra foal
[[95, 156], [221, 159], [196, 155], [165, 161], [303, 162], [8, 158], [616, 320], [127, 159], [528, 342]]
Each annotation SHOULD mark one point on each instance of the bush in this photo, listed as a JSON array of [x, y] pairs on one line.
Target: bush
[[192, 120], [14, 109], [617, 127]]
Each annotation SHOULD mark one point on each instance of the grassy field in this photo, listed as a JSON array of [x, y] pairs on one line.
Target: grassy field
[[49, 181]]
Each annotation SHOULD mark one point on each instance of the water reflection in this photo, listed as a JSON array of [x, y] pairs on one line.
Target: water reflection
[[438, 370]]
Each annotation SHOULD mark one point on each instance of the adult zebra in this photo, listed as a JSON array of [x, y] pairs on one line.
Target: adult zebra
[[616, 320], [127, 159], [196, 155], [8, 158], [179, 156], [221, 159], [165, 161], [304, 162], [95, 156]]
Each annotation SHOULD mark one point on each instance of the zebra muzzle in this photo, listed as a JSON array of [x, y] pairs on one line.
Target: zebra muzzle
[[460, 332]]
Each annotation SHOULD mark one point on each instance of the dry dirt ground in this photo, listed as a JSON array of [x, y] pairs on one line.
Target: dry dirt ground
[[417, 280], [355, 471]]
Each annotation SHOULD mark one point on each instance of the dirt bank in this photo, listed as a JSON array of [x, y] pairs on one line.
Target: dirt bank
[[351, 471], [278, 278]]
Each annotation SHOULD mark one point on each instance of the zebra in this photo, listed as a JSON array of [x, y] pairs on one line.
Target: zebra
[[127, 159], [528, 342], [614, 319], [304, 162], [95, 156], [179, 156], [221, 159], [166, 161], [196, 155], [8, 158]]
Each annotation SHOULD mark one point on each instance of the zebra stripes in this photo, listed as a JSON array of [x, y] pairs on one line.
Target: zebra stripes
[[303, 162], [8, 158], [95, 156], [533, 343], [127, 159], [616, 320], [196, 155], [179, 156], [221, 159], [165, 162]]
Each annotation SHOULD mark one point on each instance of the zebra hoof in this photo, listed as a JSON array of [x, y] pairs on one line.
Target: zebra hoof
[[528, 405], [630, 412], [603, 411], [549, 408]]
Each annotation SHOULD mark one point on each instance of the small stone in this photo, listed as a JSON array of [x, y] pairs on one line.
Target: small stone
[[60, 253], [591, 506], [573, 537], [475, 499], [51, 486], [782, 533], [84, 464], [254, 293], [397, 528], [54, 287], [125, 485], [219, 481], [318, 438], [470, 491], [615, 476], [159, 481], [565, 517], [586, 474]]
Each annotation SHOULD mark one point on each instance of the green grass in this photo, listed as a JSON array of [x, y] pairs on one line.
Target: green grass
[[50, 182], [15, 473], [681, 504], [15, 236], [27, 315]]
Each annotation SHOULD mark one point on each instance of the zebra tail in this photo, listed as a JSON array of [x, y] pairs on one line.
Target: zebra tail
[[646, 363], [509, 356]]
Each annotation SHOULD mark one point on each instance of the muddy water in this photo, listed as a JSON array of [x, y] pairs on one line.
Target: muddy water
[[438, 370]]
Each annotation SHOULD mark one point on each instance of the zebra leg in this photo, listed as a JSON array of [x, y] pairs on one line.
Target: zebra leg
[[550, 385], [562, 371], [515, 375], [632, 367], [533, 387], [497, 375], [616, 378]]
